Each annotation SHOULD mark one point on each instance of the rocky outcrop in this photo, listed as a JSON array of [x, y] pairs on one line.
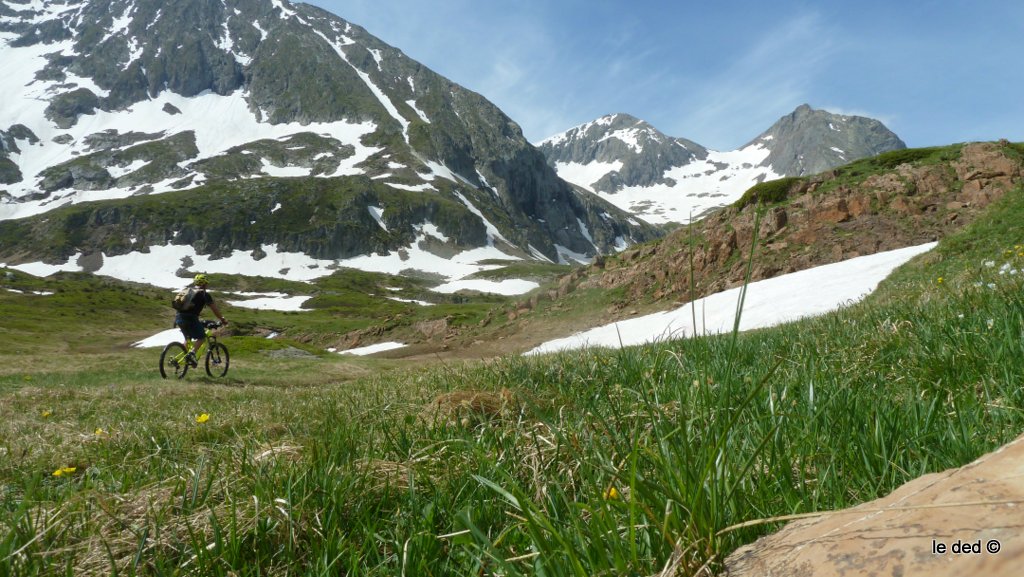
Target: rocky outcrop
[[65, 108], [964, 521], [986, 173]]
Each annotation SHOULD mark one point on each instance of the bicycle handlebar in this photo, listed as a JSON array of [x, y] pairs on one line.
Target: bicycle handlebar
[[212, 324]]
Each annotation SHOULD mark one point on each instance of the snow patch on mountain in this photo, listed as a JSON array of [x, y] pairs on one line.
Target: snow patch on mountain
[[430, 229], [282, 171], [585, 175], [376, 212], [272, 302], [507, 287], [420, 113], [689, 190], [412, 188], [286, 12], [218, 122], [630, 138], [158, 265], [492, 231]]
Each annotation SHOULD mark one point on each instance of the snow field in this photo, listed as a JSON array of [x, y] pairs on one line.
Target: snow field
[[369, 350], [767, 303], [699, 186]]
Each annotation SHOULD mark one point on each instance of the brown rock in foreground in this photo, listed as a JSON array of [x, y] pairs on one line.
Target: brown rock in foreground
[[902, 534]]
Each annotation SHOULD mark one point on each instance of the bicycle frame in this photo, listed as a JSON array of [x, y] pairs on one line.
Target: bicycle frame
[[190, 343]]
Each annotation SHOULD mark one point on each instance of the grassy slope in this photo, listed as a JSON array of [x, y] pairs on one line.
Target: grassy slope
[[88, 314], [344, 466]]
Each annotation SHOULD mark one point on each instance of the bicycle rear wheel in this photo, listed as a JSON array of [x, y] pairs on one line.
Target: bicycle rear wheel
[[217, 361], [172, 361]]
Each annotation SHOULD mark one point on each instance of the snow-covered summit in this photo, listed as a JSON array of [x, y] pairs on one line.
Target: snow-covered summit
[[662, 179], [108, 103]]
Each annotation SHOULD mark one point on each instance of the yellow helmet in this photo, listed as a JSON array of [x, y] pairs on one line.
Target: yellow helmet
[[200, 280]]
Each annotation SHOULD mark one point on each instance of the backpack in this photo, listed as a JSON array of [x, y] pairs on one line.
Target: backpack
[[182, 301]]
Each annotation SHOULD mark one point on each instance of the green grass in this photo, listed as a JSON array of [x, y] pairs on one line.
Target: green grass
[[82, 313], [529, 270], [770, 192], [852, 174], [329, 465]]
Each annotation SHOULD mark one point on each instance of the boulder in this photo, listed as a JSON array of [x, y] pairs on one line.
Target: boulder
[[963, 521]]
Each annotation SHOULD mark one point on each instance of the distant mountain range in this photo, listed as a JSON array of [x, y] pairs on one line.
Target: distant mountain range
[[664, 179], [260, 129], [261, 126]]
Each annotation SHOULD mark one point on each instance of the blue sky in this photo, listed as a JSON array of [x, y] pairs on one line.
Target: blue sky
[[720, 73]]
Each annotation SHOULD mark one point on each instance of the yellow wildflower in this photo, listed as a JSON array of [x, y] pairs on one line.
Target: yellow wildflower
[[203, 418], [610, 493], [64, 471], [46, 413], [940, 280], [100, 432]]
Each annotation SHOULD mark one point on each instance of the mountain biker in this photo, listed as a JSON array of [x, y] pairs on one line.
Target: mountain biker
[[189, 323]]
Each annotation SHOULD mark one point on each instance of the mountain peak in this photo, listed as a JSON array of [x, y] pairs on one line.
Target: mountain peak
[[664, 179], [809, 140], [110, 99]]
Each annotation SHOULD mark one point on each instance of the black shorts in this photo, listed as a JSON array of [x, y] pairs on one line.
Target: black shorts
[[190, 326]]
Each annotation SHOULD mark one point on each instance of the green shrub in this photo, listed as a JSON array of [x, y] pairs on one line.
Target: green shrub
[[770, 192]]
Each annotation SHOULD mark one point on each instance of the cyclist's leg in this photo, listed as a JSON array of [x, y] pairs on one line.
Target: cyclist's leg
[[193, 332], [184, 333]]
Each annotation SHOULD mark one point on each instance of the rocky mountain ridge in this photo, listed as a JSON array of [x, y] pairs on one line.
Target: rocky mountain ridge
[[113, 99], [664, 179]]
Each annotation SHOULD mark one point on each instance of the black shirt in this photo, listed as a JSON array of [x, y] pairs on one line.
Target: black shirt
[[199, 300]]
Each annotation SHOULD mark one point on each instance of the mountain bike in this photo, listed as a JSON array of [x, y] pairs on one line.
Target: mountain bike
[[177, 360]]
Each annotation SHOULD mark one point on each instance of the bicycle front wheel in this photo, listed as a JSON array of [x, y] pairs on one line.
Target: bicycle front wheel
[[172, 361], [217, 361]]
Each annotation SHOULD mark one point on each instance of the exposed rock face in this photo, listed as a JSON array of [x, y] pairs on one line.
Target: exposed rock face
[[810, 141], [986, 173], [912, 531]]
